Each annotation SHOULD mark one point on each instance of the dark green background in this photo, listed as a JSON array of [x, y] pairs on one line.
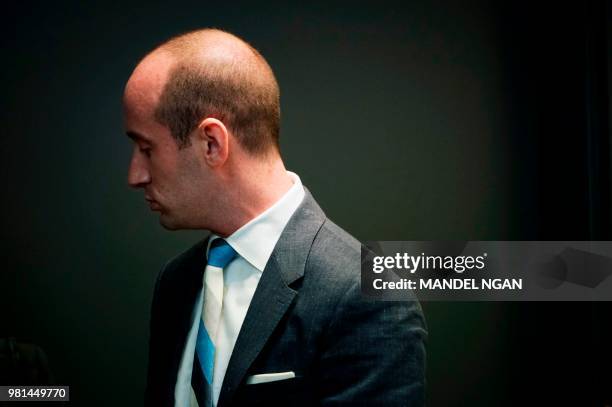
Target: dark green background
[[470, 120]]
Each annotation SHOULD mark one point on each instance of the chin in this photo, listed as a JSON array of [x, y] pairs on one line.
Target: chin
[[169, 223]]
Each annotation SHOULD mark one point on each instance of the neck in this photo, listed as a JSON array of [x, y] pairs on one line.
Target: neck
[[256, 186]]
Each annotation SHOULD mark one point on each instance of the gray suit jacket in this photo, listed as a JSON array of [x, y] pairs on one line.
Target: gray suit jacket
[[307, 316]]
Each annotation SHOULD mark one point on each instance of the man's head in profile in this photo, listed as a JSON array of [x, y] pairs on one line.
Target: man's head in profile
[[268, 309], [203, 111]]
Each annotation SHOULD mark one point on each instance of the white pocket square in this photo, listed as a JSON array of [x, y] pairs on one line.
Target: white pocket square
[[269, 377]]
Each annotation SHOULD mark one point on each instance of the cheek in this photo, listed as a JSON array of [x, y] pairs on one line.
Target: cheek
[[189, 173], [181, 184], [165, 171]]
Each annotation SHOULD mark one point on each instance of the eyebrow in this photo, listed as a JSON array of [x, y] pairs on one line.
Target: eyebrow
[[136, 136]]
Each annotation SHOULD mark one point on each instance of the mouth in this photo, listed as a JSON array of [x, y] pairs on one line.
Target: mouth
[[153, 205]]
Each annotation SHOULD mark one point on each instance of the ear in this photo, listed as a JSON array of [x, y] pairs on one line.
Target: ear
[[213, 138]]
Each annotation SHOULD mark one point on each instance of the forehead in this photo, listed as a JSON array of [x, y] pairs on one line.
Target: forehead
[[144, 88]]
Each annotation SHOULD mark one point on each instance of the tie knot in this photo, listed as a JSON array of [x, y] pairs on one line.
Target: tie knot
[[220, 253]]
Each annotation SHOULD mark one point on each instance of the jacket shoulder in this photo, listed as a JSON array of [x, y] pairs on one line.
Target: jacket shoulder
[[335, 249], [334, 262]]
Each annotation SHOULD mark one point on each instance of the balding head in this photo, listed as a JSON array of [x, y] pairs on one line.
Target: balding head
[[211, 73], [203, 112]]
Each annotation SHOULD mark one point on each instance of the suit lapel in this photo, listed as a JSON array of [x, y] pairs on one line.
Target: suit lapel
[[273, 295]]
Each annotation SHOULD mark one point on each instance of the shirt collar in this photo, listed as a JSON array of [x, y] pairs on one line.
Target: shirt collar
[[256, 239]]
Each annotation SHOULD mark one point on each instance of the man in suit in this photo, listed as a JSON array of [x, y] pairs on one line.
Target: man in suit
[[268, 309]]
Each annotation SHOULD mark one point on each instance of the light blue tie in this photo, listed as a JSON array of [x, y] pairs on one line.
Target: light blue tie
[[220, 255]]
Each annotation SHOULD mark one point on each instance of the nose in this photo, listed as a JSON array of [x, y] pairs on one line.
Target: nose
[[138, 173]]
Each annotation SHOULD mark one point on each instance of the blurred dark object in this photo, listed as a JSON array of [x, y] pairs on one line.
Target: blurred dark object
[[23, 364]]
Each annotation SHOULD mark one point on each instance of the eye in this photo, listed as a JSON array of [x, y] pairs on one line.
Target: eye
[[146, 151]]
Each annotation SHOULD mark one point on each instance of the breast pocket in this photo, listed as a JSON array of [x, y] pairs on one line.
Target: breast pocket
[[286, 392]]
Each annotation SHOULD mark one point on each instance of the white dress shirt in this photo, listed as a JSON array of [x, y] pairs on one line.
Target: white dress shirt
[[254, 243]]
